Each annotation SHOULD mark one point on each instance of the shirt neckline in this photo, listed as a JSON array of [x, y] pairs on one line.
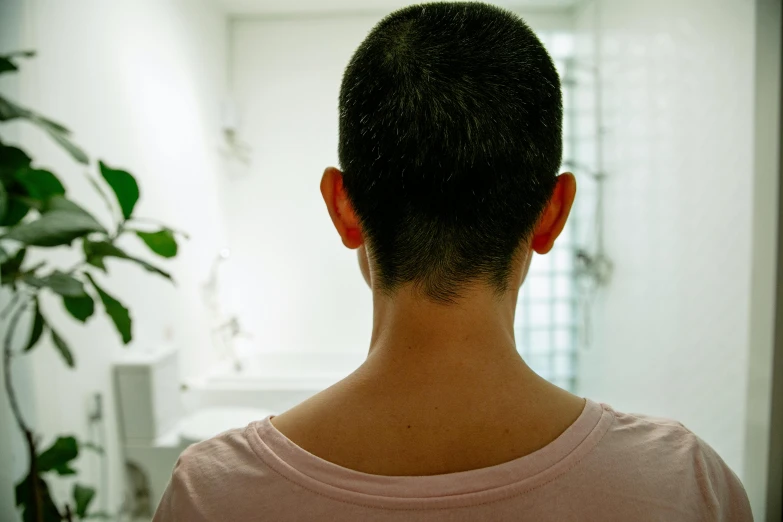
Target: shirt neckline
[[513, 477]]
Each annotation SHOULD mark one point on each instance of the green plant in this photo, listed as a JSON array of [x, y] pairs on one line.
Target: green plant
[[36, 213]]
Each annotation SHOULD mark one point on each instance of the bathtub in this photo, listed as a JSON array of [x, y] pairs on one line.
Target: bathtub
[[274, 381]]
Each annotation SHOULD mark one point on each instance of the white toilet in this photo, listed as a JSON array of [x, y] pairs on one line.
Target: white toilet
[[153, 427]]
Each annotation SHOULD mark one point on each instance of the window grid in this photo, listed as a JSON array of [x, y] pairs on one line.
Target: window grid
[[547, 309]]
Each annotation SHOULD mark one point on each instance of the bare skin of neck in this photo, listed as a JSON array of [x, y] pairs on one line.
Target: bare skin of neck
[[443, 390]]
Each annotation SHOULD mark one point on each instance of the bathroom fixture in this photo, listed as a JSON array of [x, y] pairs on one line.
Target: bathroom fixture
[[225, 330], [210, 288], [233, 147], [154, 426]]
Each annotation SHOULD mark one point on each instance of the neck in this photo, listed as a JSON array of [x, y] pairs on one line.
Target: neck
[[412, 337], [443, 390]]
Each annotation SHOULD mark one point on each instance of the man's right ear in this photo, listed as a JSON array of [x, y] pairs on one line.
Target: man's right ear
[[340, 208], [555, 215]]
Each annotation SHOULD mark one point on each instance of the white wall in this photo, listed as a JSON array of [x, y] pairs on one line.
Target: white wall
[[671, 331], [299, 286], [140, 84]]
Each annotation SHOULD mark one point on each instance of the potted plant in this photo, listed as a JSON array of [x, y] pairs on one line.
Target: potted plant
[[36, 214]]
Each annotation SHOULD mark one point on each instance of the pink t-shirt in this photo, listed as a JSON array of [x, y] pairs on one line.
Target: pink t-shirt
[[606, 466]]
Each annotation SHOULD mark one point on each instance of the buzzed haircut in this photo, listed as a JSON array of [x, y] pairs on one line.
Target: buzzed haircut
[[450, 144]]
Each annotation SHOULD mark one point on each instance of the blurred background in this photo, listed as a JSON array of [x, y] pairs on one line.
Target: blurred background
[[660, 297]]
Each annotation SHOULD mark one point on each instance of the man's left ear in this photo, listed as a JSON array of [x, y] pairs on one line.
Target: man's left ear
[[340, 209], [555, 215]]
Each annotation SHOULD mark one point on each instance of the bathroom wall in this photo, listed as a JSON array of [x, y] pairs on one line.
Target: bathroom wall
[[669, 336], [301, 290], [671, 331], [140, 83]]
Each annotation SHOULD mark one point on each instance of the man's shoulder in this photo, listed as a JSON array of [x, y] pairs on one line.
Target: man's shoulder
[[211, 478], [664, 456], [226, 451], [639, 425], [643, 437]]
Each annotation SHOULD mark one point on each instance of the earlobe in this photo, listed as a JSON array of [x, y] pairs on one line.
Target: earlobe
[[542, 244]]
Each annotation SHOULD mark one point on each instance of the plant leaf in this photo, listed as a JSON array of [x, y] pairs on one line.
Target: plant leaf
[[11, 160], [64, 284], [60, 225], [23, 54], [151, 268], [124, 186], [33, 280], [161, 242], [75, 151], [59, 343], [92, 258], [9, 269], [14, 212], [120, 315], [101, 192], [82, 496], [101, 249], [40, 184], [25, 497], [10, 111], [58, 456], [81, 308], [98, 263], [3, 202], [54, 229], [7, 65], [65, 205], [38, 327], [51, 126]]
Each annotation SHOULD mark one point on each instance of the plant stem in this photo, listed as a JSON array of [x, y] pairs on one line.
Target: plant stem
[[120, 230], [37, 506], [7, 355], [33, 456], [11, 304]]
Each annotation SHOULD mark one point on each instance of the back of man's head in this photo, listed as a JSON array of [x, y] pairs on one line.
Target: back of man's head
[[450, 143]]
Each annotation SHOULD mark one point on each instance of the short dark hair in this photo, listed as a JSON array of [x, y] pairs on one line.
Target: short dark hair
[[450, 144]]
